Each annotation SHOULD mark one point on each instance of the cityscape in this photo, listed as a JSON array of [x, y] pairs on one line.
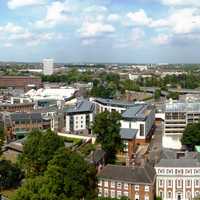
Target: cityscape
[[99, 100]]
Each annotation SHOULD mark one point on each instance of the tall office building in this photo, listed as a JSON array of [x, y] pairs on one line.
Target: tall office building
[[48, 66]]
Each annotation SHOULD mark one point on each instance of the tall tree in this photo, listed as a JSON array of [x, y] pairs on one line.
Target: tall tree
[[68, 177], [191, 135], [38, 150], [107, 129]]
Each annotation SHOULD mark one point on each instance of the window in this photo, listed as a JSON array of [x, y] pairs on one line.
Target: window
[[112, 184], [126, 194], [169, 183], [146, 188], [137, 197], [105, 183], [137, 187], [105, 192], [197, 194], [188, 183], [119, 194], [169, 194], [119, 185], [197, 183], [179, 183], [188, 195], [100, 192], [160, 183], [141, 129], [125, 186], [100, 183], [146, 197], [161, 194], [112, 193]]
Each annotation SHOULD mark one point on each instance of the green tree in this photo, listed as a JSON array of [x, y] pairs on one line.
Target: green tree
[[68, 177], [107, 129], [10, 174], [38, 150], [173, 95], [191, 135], [157, 94]]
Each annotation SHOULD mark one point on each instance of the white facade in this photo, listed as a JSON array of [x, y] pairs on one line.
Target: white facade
[[48, 65], [78, 122], [177, 116], [177, 183]]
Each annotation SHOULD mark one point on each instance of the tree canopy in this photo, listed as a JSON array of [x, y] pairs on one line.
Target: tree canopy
[[191, 135], [38, 150], [10, 174], [106, 127], [68, 177]]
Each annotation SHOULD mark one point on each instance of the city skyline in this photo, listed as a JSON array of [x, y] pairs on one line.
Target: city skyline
[[138, 31]]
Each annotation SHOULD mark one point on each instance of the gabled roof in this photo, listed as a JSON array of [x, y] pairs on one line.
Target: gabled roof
[[127, 133], [135, 175], [26, 116]]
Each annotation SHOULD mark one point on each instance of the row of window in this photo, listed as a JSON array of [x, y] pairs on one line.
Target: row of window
[[178, 171], [113, 193], [179, 183], [120, 185]]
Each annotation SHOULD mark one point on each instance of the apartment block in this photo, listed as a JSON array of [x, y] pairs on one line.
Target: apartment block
[[79, 117]]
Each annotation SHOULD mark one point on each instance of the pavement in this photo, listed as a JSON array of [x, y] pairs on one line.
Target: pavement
[[155, 147]]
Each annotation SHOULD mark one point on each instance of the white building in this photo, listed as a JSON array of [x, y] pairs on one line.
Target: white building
[[138, 117], [61, 93], [48, 65], [79, 117], [177, 116], [178, 176]]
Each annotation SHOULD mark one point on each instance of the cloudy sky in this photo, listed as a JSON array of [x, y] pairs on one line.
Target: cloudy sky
[[100, 30]]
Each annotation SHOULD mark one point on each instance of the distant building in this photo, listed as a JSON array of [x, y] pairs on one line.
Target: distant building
[[136, 183], [178, 175], [20, 82], [48, 65], [177, 115], [80, 117]]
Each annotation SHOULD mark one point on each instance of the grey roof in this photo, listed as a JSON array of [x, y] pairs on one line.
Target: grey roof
[[26, 116], [127, 133], [180, 163], [169, 158], [180, 106], [114, 102], [137, 175], [81, 107], [97, 155], [136, 112]]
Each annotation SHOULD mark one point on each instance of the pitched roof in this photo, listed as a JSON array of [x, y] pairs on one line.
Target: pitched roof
[[26, 116], [82, 106], [136, 112], [136, 175], [127, 133]]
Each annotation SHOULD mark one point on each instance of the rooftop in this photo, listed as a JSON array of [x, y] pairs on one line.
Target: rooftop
[[127, 133], [139, 175], [26, 116], [81, 107], [114, 102]]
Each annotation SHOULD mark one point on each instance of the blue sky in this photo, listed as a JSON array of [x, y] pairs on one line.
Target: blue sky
[[139, 31]]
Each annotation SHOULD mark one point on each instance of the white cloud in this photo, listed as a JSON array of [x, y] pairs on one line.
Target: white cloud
[[13, 4], [88, 42], [11, 28], [8, 45], [95, 29], [57, 13], [181, 2], [113, 17], [139, 18], [161, 39], [96, 8]]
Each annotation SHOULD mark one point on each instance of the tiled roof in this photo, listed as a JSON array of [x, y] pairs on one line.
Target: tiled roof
[[135, 175], [127, 133]]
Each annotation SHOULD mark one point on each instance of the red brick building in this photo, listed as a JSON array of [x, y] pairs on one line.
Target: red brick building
[[20, 82], [136, 183]]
